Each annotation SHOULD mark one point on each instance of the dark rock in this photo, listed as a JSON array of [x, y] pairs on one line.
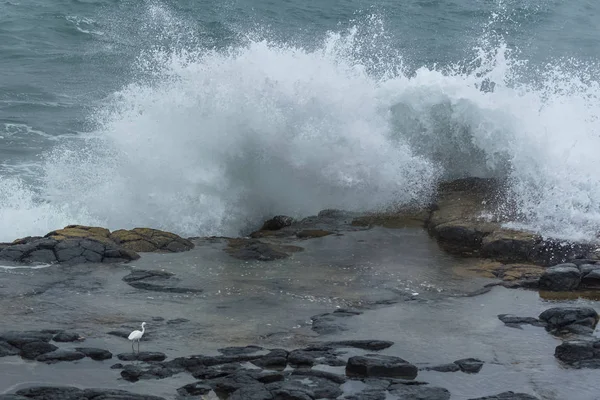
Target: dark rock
[[251, 392], [299, 387], [194, 389], [573, 351], [133, 373], [469, 365], [219, 360], [373, 365], [586, 268], [157, 281], [252, 249], [115, 394], [19, 339], [95, 354], [67, 337], [508, 396], [72, 393], [52, 392], [276, 223], [368, 394], [419, 392], [145, 356], [60, 355], [231, 351], [141, 274], [12, 397], [230, 383], [121, 334], [333, 322], [339, 379], [177, 321], [300, 358], [452, 367], [560, 317], [116, 366], [373, 345], [32, 350], [7, 349], [158, 319], [513, 320], [562, 277], [591, 280], [276, 359]]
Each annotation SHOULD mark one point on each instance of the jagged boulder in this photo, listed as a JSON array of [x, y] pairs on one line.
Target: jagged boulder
[[146, 240]]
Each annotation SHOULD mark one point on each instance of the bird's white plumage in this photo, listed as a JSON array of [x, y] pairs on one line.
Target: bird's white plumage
[[137, 335]]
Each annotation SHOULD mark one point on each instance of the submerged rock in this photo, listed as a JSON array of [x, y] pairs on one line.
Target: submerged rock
[[33, 350], [313, 233], [373, 345], [374, 365], [508, 396], [516, 321], [67, 337], [157, 281], [451, 367], [6, 349], [562, 277], [72, 393], [252, 249], [329, 323], [194, 389]]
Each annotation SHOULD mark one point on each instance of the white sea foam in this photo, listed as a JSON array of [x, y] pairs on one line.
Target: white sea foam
[[221, 139]]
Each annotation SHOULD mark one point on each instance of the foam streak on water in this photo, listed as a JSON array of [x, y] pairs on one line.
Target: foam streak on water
[[220, 139]]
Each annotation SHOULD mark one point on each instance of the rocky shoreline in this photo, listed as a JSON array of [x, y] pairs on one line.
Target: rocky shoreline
[[351, 369]]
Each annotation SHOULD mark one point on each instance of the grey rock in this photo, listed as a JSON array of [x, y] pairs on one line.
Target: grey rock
[[339, 379], [230, 351], [368, 394], [95, 354], [587, 268], [452, 367], [60, 355], [256, 250], [66, 337], [72, 393], [251, 392], [573, 351], [276, 223], [373, 345], [19, 339], [44, 256], [276, 359], [329, 323], [508, 396], [297, 387], [177, 321], [419, 392], [194, 389], [591, 280], [301, 358], [6, 349], [562, 277], [142, 356], [373, 365], [469, 365], [560, 317], [34, 349], [512, 320]]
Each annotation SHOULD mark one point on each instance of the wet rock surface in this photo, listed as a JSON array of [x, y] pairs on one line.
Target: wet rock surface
[[560, 318], [580, 353], [77, 244], [508, 396], [253, 249], [157, 281], [373, 365], [72, 393], [95, 354], [60, 355], [329, 323]]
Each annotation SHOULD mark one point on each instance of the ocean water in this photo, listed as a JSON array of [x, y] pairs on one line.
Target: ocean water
[[203, 117]]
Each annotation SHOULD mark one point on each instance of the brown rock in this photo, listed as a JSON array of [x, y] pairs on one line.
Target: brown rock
[[146, 240]]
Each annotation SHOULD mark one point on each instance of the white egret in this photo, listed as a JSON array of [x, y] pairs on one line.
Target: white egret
[[137, 336]]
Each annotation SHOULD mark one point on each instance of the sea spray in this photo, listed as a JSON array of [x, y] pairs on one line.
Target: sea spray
[[212, 141]]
